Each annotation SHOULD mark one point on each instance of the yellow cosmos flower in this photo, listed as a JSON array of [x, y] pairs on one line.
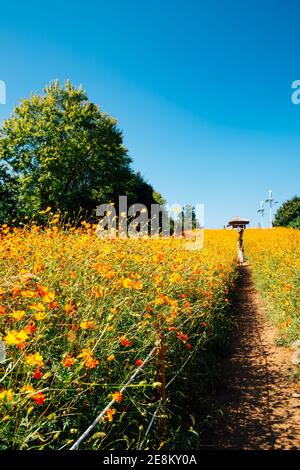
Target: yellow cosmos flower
[[130, 284], [87, 325], [35, 359], [49, 297], [175, 277], [27, 389], [40, 315], [70, 308], [38, 307], [18, 314], [7, 395], [127, 283], [28, 294], [15, 337]]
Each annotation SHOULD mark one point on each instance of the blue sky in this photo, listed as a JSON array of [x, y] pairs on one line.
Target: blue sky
[[201, 89]]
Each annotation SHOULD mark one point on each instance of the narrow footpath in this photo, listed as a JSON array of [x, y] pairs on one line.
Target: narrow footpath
[[260, 402]]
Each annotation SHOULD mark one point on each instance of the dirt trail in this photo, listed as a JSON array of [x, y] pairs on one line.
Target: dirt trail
[[261, 406]]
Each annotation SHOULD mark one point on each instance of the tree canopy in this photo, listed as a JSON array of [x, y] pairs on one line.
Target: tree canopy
[[288, 215], [60, 150]]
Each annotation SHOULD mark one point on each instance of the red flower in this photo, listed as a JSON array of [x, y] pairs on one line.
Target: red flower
[[68, 361], [39, 398], [53, 305], [124, 341], [188, 345], [139, 362], [30, 328], [2, 310], [148, 308], [42, 290], [183, 336], [37, 374]]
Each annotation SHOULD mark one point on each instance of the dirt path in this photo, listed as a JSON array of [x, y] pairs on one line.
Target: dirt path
[[261, 406]]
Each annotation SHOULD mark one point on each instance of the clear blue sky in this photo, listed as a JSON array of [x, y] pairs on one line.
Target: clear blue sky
[[201, 89]]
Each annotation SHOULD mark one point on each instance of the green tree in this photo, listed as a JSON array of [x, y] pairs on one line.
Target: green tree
[[288, 215], [65, 153], [8, 195]]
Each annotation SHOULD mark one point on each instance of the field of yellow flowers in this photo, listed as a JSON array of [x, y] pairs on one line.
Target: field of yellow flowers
[[79, 315], [275, 258]]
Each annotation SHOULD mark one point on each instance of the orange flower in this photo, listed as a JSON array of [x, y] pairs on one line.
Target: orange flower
[[68, 361], [39, 398], [111, 358], [2, 310], [42, 290], [124, 341], [70, 308], [158, 279], [30, 328], [15, 291], [88, 360], [110, 413], [117, 396], [139, 362], [99, 293]]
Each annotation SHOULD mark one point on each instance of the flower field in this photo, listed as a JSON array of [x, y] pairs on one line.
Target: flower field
[[275, 257], [79, 316]]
